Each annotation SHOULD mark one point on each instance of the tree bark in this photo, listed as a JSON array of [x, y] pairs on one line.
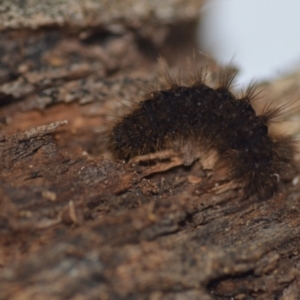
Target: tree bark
[[77, 224]]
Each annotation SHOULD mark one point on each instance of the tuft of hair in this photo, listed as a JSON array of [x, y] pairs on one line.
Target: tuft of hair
[[251, 93], [199, 76], [226, 77], [273, 113], [171, 80]]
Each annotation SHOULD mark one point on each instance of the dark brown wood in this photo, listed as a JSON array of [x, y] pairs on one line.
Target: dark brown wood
[[74, 223]]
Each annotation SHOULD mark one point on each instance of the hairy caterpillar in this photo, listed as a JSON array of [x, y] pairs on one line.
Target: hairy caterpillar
[[196, 117]]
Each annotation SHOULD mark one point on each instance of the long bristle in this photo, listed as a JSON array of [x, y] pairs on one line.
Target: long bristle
[[196, 75], [171, 80], [251, 93], [272, 113], [226, 78], [199, 76]]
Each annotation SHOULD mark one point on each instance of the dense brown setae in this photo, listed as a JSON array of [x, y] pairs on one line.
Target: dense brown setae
[[209, 120]]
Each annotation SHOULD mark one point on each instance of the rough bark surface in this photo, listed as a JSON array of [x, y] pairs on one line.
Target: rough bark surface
[[74, 223]]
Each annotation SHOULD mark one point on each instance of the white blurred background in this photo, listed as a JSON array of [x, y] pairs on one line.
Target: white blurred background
[[261, 37]]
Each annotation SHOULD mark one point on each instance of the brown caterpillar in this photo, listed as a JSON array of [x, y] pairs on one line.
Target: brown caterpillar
[[196, 117]]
